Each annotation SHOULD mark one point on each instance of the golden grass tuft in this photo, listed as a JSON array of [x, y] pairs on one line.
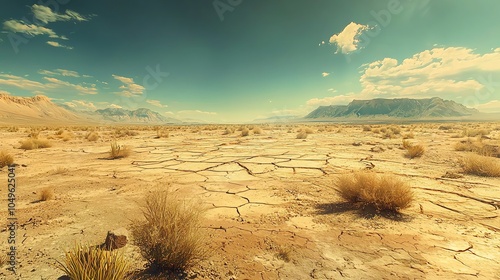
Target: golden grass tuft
[[475, 132], [481, 165], [89, 262], [6, 159], [413, 151], [245, 132], [367, 128], [302, 135], [92, 136], [257, 130], [384, 192], [46, 194], [35, 143], [171, 237], [118, 151]]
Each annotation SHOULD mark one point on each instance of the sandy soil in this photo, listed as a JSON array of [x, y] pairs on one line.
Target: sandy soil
[[273, 210]]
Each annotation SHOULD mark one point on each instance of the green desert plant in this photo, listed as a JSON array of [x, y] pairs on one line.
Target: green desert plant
[[170, 238], [384, 192], [6, 159], [85, 262], [481, 165]]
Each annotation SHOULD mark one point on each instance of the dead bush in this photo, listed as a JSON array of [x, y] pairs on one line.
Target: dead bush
[[384, 192], [481, 165], [6, 159], [118, 151], [170, 238]]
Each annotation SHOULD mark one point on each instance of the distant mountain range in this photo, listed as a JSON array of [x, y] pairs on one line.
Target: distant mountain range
[[40, 109], [396, 108], [141, 115]]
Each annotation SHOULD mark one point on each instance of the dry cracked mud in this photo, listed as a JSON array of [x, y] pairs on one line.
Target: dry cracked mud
[[273, 211]]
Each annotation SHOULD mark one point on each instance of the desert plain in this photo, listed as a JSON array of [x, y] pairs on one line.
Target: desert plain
[[273, 210]]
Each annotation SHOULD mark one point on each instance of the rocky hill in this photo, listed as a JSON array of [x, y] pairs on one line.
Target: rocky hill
[[397, 108]]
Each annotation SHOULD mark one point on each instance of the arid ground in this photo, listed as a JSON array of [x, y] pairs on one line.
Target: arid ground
[[273, 209]]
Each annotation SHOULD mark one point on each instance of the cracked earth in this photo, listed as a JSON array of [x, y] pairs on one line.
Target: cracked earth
[[273, 212]]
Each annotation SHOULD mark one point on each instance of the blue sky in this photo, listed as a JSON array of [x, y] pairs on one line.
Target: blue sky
[[239, 60]]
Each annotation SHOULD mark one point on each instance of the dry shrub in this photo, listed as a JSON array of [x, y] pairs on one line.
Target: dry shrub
[[475, 132], [13, 129], [376, 130], [66, 135], [6, 159], [302, 135], [481, 165], [85, 262], [118, 151], [162, 133], [367, 128], [171, 237], [257, 130], [415, 151], [384, 192], [46, 194], [409, 135], [92, 136], [227, 131], [245, 131], [35, 143], [284, 253]]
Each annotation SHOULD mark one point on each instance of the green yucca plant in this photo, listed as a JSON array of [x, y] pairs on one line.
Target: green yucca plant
[[92, 263]]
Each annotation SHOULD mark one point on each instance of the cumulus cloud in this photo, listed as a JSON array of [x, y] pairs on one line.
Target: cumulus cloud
[[196, 112], [57, 45], [46, 15], [325, 74], [129, 87], [156, 103], [115, 106], [19, 26], [347, 41], [489, 107], [454, 73], [58, 84], [333, 100], [60, 72], [450, 71]]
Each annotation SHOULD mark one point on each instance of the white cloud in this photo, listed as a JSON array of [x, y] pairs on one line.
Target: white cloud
[[156, 103], [19, 26], [453, 73], [347, 41], [46, 15], [57, 45], [440, 71], [333, 100], [60, 72], [58, 84], [490, 107], [325, 74], [196, 112], [70, 104], [129, 87], [85, 104], [52, 85], [115, 106]]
